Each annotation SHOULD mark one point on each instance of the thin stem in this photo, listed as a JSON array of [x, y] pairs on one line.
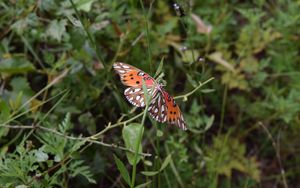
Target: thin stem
[[122, 39], [282, 171], [173, 167], [133, 175], [147, 30], [12, 117], [92, 42], [109, 126], [194, 90], [27, 44], [87, 139], [223, 109]]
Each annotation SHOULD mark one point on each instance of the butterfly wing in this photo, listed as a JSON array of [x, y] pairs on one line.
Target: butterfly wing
[[162, 106], [157, 108], [135, 95], [174, 115], [132, 76]]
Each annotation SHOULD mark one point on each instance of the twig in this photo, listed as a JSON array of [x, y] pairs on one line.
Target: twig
[[109, 126], [87, 139], [185, 96]]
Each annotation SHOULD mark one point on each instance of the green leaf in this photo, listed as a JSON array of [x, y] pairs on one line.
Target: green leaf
[[163, 166], [56, 29], [21, 186], [209, 122], [65, 124], [84, 5], [20, 84], [4, 112], [166, 162], [78, 168], [130, 135], [190, 56], [207, 90], [143, 184], [77, 145], [40, 155], [148, 163], [159, 133], [150, 173], [123, 170], [15, 65], [218, 58], [159, 69]]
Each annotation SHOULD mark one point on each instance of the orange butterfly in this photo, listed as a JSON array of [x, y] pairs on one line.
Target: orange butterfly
[[162, 106]]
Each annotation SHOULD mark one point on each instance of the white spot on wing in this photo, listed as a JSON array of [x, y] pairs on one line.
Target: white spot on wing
[[138, 97], [165, 119]]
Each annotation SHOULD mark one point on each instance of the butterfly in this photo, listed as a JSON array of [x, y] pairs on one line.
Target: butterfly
[[162, 106]]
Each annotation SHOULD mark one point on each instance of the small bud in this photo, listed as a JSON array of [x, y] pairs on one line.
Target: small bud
[[183, 48], [201, 59]]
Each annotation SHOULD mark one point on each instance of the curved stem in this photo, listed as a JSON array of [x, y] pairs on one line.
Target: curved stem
[[194, 90]]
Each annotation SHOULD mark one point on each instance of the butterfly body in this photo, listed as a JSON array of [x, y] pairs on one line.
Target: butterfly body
[[162, 106]]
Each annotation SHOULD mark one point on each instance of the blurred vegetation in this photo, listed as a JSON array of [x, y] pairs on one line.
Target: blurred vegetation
[[64, 121]]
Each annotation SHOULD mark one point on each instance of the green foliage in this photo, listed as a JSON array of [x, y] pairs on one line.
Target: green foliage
[[223, 158], [27, 164], [130, 135], [124, 172], [163, 166], [63, 114]]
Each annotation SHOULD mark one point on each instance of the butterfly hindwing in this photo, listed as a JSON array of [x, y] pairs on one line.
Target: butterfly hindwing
[[157, 108], [174, 115], [132, 76], [135, 95]]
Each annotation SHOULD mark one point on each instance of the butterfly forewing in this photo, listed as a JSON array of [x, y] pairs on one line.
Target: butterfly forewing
[[157, 108], [131, 76], [174, 115]]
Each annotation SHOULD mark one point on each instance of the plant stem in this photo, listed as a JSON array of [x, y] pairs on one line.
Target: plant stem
[[194, 90], [147, 31], [92, 42], [223, 109], [133, 175]]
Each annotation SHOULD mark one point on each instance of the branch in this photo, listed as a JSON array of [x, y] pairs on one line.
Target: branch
[[109, 126], [87, 139], [185, 96]]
